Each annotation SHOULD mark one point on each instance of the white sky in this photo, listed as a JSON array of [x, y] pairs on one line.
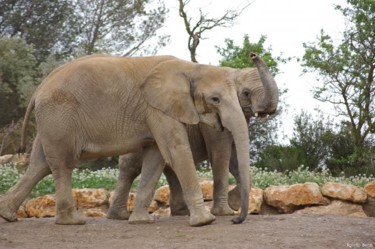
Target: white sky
[[286, 23]]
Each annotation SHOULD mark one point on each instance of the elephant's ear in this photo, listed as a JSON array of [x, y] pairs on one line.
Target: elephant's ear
[[168, 88]]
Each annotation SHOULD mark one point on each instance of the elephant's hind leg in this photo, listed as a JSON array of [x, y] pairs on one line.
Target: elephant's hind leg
[[62, 162], [36, 171], [152, 168], [130, 167]]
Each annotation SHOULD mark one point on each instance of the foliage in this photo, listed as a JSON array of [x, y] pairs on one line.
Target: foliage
[[280, 158], [346, 70], [238, 57], [263, 178], [312, 137], [319, 144], [106, 178], [68, 28], [44, 24], [18, 78], [116, 26]]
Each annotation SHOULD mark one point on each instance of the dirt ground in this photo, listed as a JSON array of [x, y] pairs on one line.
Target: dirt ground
[[260, 232]]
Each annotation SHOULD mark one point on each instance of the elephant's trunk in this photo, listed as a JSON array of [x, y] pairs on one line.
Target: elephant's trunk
[[237, 125], [270, 99]]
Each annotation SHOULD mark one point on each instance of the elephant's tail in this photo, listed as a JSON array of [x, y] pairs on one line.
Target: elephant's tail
[[26, 119]]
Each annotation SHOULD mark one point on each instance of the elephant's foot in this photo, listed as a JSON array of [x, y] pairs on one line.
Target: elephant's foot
[[118, 213], [69, 216], [201, 218], [234, 199], [141, 218], [7, 213], [222, 210], [179, 210]]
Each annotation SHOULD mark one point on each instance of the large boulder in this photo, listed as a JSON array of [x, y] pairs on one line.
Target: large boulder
[[255, 200], [370, 189], [369, 207], [162, 195], [287, 199], [42, 206], [207, 190], [91, 198], [344, 192], [336, 207]]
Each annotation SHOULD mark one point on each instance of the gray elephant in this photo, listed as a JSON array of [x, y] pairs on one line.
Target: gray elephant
[[258, 95], [106, 106]]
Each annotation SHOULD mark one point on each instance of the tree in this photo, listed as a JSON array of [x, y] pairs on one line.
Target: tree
[[262, 134], [41, 23], [204, 23], [18, 77], [346, 70], [313, 139], [118, 26], [69, 28]]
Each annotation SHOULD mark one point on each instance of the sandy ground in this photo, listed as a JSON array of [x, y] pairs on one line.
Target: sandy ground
[[275, 231]]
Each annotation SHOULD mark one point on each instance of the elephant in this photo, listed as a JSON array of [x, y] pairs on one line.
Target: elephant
[[101, 106], [258, 95]]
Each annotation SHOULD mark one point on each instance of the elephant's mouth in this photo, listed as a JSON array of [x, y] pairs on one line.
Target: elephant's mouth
[[247, 110], [220, 126]]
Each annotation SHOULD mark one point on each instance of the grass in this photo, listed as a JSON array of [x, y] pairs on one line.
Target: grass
[[107, 178]]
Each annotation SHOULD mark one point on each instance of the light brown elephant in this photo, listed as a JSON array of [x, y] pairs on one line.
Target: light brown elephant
[[106, 106], [258, 95]]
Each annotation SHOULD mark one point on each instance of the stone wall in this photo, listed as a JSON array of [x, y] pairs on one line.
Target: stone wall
[[307, 198]]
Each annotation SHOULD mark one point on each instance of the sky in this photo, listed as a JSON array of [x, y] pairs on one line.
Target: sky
[[286, 23]]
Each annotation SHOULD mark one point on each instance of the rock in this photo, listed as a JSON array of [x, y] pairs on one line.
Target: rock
[[370, 189], [336, 207], [369, 207], [94, 213], [234, 197], [131, 202], [207, 190], [344, 192], [21, 212], [266, 209], [91, 198], [255, 200], [43, 206], [162, 195], [162, 212], [290, 198]]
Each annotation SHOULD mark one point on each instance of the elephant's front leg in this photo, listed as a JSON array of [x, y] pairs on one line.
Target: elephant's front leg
[[152, 167], [219, 145], [172, 140], [130, 167]]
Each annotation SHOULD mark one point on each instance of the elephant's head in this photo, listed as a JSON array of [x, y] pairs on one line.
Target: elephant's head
[[193, 93], [256, 89]]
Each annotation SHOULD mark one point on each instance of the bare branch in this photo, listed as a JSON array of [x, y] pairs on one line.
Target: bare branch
[[204, 23]]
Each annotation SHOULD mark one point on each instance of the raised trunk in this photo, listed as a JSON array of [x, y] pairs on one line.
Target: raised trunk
[[238, 127], [271, 92]]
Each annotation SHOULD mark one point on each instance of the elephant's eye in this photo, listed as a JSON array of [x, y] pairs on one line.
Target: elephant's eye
[[215, 100], [246, 93]]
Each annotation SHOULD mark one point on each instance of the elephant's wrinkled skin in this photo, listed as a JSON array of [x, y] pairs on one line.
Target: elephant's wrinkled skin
[[251, 84], [106, 106]]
